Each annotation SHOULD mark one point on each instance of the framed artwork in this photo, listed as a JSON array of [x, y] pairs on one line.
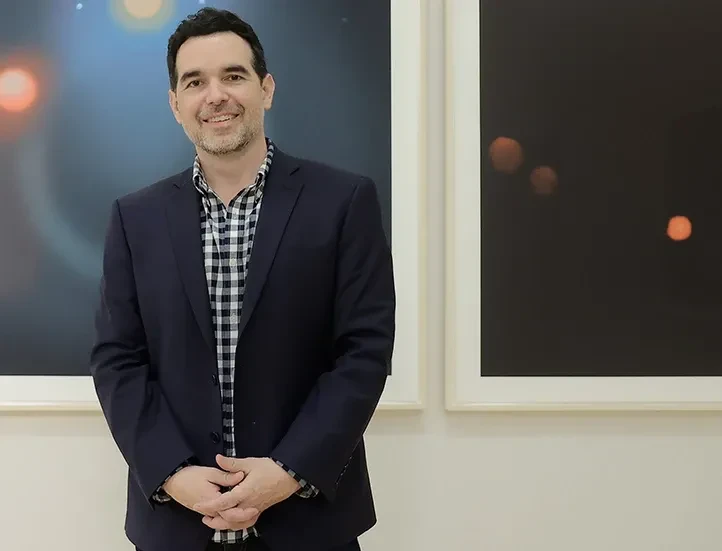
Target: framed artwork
[[406, 385], [69, 156], [583, 206]]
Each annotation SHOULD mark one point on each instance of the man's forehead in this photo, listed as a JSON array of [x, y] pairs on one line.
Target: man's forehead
[[215, 51]]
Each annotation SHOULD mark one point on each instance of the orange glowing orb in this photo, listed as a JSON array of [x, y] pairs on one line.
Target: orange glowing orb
[[506, 155], [143, 9], [679, 228], [18, 90], [544, 180]]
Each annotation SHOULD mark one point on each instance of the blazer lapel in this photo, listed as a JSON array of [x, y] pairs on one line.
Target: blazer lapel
[[279, 198], [184, 224]]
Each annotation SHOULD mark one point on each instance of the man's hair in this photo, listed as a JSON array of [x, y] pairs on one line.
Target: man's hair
[[210, 21]]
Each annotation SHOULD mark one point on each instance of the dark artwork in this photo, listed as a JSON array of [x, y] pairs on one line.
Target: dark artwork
[[99, 126], [602, 201]]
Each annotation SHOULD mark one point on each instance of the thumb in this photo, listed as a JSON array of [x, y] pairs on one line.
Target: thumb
[[232, 464], [226, 478]]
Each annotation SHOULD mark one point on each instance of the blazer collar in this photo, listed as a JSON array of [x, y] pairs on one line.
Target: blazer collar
[[183, 217], [283, 165]]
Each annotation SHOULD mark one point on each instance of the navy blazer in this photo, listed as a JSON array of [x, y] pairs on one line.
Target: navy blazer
[[316, 338]]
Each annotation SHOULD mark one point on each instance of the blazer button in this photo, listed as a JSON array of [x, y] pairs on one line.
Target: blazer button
[[214, 378], [215, 437]]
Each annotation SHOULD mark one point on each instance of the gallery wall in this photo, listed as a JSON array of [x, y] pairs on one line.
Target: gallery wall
[[471, 480]]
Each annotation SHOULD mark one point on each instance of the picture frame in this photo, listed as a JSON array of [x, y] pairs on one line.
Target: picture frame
[[405, 388], [465, 387], [406, 384]]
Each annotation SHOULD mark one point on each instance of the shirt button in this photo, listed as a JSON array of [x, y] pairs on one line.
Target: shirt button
[[215, 437], [233, 262], [234, 319]]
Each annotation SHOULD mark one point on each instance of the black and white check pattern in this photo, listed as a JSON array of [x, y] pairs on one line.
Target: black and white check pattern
[[227, 235]]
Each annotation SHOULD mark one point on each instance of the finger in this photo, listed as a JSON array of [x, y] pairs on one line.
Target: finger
[[232, 464], [239, 514], [226, 478], [217, 523], [225, 501], [220, 524], [233, 479], [213, 506]]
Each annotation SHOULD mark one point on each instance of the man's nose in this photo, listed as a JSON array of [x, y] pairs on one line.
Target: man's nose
[[216, 94]]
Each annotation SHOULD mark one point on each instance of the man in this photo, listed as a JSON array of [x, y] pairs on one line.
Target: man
[[246, 324]]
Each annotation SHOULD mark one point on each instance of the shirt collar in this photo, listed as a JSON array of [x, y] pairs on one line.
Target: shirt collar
[[199, 179]]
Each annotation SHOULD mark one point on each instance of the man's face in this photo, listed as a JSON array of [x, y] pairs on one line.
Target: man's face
[[220, 100]]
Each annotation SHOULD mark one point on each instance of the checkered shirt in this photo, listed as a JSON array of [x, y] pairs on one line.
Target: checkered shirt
[[227, 234]]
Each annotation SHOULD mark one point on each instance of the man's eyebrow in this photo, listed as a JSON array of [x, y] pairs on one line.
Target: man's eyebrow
[[195, 73], [189, 75], [236, 69]]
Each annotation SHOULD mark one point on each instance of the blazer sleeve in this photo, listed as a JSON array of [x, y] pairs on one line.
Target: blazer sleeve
[[322, 438], [138, 415]]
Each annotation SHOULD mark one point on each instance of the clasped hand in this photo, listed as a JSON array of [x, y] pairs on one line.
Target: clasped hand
[[259, 483]]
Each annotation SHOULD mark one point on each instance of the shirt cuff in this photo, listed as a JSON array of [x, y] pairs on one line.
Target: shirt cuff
[[306, 490], [160, 495]]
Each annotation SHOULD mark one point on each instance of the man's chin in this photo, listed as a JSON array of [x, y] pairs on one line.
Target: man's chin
[[220, 148]]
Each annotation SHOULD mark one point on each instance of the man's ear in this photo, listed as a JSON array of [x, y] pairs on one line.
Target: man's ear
[[173, 102], [269, 87]]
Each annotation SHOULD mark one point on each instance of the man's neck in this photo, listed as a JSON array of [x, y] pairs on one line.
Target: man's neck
[[229, 174]]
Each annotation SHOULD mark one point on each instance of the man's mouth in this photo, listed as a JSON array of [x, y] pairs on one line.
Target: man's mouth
[[220, 119]]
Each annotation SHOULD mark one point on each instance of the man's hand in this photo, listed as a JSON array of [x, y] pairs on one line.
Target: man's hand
[[264, 485], [194, 483]]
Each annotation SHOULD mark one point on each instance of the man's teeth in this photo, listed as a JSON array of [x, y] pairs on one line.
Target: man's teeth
[[221, 119]]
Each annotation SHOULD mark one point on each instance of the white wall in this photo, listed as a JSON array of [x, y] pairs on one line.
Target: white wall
[[458, 482]]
